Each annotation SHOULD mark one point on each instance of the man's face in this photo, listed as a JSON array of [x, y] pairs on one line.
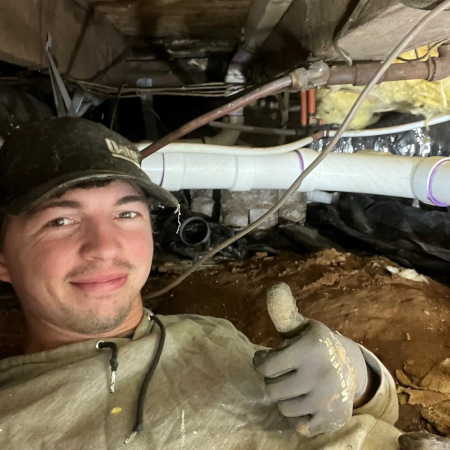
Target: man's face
[[78, 262]]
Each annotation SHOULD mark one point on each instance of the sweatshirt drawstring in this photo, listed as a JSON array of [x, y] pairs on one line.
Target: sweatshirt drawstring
[[139, 424], [112, 362]]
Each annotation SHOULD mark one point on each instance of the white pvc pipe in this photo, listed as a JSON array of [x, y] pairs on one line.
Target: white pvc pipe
[[427, 179], [225, 137], [185, 146]]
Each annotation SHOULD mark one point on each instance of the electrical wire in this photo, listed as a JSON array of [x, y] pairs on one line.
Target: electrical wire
[[196, 90], [255, 130], [209, 149], [436, 45], [212, 149], [116, 106], [396, 128], [376, 77], [263, 91], [352, 133], [359, 8]]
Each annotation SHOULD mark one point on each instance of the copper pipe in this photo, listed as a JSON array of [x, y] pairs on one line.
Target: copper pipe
[[263, 91], [433, 69], [303, 109], [359, 74], [311, 104]]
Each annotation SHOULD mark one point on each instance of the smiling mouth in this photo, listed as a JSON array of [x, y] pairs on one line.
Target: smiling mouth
[[101, 283]]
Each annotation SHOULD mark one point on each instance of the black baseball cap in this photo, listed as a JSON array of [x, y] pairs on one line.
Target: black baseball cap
[[40, 159]]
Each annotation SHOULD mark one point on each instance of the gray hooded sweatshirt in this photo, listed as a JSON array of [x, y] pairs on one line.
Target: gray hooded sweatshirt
[[204, 394]]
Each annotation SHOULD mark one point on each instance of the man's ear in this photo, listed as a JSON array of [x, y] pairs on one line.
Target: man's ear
[[4, 272]]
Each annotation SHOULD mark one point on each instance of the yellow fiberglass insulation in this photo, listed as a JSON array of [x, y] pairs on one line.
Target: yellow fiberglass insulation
[[413, 96]]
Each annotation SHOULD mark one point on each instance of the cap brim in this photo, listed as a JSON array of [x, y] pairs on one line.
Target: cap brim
[[48, 190]]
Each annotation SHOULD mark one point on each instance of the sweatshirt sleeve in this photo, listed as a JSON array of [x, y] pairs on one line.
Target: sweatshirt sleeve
[[384, 404]]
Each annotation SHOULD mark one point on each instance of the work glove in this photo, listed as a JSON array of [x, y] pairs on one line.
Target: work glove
[[317, 375]]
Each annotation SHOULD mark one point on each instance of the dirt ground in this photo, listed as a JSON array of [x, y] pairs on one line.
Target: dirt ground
[[404, 322]]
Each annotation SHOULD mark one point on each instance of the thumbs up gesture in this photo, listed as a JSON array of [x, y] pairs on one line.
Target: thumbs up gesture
[[317, 376]]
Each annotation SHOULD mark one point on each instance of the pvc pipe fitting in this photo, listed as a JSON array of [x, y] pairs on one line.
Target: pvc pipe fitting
[[431, 181], [195, 231]]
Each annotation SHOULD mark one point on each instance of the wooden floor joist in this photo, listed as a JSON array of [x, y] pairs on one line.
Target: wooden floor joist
[[84, 43]]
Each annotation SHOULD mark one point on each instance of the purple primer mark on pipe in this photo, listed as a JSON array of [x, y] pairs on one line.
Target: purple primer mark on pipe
[[433, 173], [163, 170], [300, 159]]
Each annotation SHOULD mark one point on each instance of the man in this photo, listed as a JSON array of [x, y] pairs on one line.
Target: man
[[76, 245]]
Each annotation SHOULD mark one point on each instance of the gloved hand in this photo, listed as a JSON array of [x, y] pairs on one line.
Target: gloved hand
[[316, 377]]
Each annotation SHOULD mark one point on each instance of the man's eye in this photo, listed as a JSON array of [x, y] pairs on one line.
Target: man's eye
[[127, 215], [60, 222]]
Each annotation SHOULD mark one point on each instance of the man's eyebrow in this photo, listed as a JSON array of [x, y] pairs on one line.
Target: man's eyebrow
[[76, 205], [131, 199], [54, 204]]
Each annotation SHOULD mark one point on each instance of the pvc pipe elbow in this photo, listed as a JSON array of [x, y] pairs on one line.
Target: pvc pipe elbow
[[228, 136]]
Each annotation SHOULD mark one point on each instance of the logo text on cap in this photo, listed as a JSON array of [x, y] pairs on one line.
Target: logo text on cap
[[123, 151]]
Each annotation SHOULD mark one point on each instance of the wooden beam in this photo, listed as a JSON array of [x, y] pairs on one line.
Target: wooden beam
[[375, 33], [84, 43]]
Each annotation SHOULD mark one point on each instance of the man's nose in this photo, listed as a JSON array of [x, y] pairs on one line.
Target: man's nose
[[100, 240]]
